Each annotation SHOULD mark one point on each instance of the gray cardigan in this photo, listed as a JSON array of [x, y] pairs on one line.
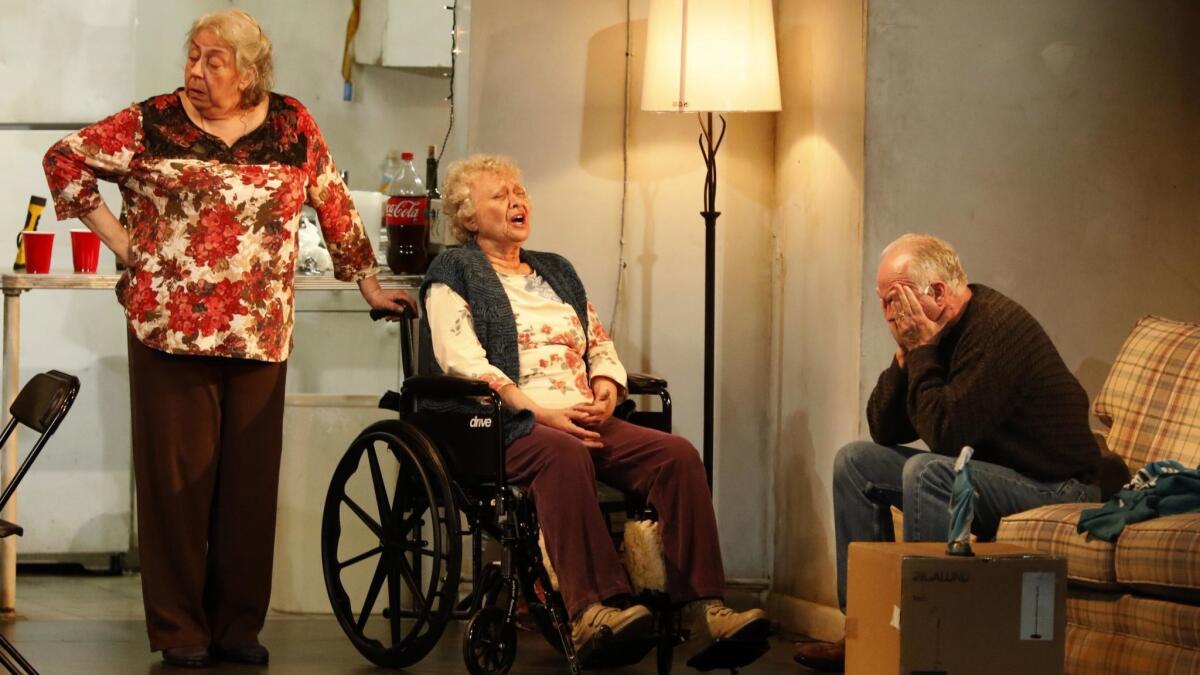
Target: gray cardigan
[[466, 271]]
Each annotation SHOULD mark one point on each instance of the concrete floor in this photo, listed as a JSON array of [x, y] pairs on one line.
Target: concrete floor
[[93, 624]]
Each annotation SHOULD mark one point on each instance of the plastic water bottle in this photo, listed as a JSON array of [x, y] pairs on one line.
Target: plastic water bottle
[[389, 169], [406, 219]]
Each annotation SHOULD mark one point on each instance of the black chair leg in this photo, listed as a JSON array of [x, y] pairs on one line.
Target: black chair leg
[[7, 649]]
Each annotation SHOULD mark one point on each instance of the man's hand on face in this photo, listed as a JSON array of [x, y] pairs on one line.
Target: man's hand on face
[[892, 312], [901, 352], [910, 326]]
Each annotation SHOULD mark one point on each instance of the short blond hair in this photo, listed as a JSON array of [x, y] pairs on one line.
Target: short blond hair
[[456, 191], [250, 46], [933, 259]]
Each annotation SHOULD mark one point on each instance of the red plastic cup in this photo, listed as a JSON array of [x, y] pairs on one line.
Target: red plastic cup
[[85, 251], [39, 246]]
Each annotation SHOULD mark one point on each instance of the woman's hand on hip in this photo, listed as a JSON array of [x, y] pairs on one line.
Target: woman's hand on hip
[[604, 401], [102, 221], [568, 420], [124, 252]]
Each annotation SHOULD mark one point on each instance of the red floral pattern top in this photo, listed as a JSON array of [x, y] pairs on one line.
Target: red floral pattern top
[[212, 227]]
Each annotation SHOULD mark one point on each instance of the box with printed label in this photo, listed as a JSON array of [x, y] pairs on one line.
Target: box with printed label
[[914, 610]]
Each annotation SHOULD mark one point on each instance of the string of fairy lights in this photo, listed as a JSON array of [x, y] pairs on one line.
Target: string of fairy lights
[[454, 52]]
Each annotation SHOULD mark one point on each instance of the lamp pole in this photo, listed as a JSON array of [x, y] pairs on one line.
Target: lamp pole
[[709, 57], [708, 149]]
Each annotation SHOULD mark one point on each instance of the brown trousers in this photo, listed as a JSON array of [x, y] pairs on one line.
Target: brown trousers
[[207, 438], [663, 468]]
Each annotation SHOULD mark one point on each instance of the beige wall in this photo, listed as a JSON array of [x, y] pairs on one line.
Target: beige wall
[[548, 88], [817, 295], [1056, 144]]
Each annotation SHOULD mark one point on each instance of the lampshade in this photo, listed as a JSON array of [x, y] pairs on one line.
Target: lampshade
[[710, 56]]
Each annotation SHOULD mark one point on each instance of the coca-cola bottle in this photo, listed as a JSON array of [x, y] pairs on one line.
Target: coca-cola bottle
[[405, 216]]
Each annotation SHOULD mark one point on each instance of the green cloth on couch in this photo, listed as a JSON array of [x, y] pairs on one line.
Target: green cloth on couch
[[1162, 488]]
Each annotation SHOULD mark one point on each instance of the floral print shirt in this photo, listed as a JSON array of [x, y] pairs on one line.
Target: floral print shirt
[[212, 227], [558, 362]]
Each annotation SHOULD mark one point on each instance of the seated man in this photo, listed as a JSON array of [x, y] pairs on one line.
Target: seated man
[[972, 367], [521, 321]]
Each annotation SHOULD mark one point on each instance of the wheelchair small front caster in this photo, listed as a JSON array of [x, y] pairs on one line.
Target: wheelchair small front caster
[[489, 643]]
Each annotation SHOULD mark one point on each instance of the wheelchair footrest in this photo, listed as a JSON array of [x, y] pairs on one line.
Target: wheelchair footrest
[[607, 652]]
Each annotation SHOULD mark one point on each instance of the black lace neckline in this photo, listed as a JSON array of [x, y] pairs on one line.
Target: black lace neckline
[[171, 134], [178, 93]]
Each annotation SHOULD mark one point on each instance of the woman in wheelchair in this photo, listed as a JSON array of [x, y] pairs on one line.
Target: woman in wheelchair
[[521, 321]]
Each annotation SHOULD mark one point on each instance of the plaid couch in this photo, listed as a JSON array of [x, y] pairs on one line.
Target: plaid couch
[[1134, 606]]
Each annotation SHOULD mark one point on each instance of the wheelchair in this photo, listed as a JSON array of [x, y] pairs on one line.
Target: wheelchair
[[411, 491]]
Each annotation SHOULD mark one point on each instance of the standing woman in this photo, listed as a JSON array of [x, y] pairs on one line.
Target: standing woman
[[213, 177]]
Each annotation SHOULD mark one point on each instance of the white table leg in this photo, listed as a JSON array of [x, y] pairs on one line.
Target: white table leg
[[12, 384]]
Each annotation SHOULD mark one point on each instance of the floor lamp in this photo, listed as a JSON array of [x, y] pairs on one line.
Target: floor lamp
[[710, 56]]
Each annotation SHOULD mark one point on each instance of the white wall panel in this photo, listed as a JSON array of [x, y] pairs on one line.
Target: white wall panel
[[65, 61]]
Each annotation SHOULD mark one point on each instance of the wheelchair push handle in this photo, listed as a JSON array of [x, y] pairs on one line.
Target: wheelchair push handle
[[408, 313]]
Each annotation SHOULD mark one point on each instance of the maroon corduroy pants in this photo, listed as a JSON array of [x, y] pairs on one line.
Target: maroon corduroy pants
[[207, 438], [663, 468]]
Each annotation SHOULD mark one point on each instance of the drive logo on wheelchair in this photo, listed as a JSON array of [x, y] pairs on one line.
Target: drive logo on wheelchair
[[478, 422]]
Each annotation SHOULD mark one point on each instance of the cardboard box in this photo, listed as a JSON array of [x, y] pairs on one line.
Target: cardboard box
[[916, 611]]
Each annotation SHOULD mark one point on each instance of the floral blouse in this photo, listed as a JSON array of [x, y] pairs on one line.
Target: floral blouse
[[212, 227], [549, 336]]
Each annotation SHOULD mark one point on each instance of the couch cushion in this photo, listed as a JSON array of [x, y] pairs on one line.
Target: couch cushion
[[1098, 610], [1052, 529], [1151, 397], [1175, 623], [1162, 556], [1093, 651]]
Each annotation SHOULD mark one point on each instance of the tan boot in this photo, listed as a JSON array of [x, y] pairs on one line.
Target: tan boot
[[627, 624], [726, 639], [722, 623]]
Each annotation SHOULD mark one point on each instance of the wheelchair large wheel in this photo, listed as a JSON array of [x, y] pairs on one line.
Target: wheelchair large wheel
[[405, 539]]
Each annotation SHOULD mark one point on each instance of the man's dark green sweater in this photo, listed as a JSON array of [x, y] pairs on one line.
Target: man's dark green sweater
[[994, 382]]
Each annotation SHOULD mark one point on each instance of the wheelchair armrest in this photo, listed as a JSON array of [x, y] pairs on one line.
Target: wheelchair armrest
[[641, 383], [445, 385]]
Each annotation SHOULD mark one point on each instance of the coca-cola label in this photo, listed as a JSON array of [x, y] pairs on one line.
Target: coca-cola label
[[406, 211]]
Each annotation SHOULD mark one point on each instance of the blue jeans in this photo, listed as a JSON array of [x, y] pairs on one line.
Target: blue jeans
[[869, 478]]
